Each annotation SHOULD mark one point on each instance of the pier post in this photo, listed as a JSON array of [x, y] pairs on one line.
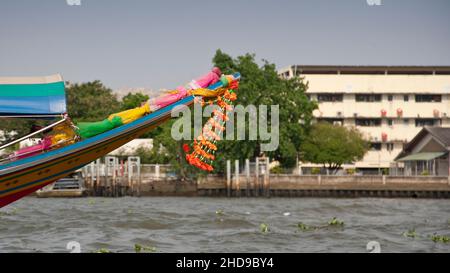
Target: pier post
[[267, 179], [157, 171], [236, 177], [257, 177], [97, 180], [134, 175], [247, 176], [228, 178]]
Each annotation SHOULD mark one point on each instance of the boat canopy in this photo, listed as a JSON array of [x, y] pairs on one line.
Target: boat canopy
[[32, 97]]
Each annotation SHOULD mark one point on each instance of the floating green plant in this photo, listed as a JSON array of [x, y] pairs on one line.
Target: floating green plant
[[303, 227], [335, 222], [219, 212], [440, 238], [91, 202], [264, 228], [144, 249], [102, 250], [411, 233]]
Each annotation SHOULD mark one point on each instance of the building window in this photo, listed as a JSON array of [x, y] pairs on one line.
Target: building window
[[375, 146], [406, 121], [368, 97], [390, 147], [368, 122], [406, 97], [421, 122], [334, 121], [428, 98], [389, 122], [390, 97], [330, 97]]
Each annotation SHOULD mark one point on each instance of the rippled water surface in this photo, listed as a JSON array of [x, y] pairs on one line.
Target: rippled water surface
[[176, 224]]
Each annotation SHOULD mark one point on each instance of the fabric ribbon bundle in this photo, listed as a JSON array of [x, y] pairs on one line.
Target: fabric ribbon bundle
[[204, 146]]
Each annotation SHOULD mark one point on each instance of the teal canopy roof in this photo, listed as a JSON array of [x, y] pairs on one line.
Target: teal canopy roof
[[39, 96]]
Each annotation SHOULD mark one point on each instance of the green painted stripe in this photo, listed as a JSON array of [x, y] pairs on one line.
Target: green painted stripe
[[32, 90]]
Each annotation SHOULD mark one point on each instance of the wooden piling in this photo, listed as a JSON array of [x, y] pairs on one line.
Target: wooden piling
[[228, 186], [257, 177], [236, 178], [247, 177], [267, 178], [97, 180]]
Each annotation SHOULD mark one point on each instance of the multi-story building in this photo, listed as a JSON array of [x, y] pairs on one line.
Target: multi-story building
[[389, 104]]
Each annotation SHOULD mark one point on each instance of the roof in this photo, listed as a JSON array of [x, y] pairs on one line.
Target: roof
[[372, 69], [32, 96], [421, 156], [441, 134]]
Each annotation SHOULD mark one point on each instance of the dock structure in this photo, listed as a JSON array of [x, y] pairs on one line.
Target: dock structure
[[114, 178], [288, 185]]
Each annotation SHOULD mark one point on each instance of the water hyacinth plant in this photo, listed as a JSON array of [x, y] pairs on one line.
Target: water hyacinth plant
[[264, 228], [411, 233], [219, 212], [303, 227], [335, 222], [102, 250], [144, 249], [440, 238]]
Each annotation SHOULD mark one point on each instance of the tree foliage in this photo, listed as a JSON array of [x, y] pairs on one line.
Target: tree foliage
[[333, 145], [261, 85], [133, 100], [90, 101]]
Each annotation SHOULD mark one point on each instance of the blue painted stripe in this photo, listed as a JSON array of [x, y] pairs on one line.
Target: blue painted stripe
[[17, 105]]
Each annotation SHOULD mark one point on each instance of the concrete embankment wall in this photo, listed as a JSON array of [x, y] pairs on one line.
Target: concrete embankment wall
[[327, 186], [284, 186]]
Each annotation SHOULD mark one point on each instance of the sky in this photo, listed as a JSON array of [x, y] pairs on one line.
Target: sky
[[164, 43]]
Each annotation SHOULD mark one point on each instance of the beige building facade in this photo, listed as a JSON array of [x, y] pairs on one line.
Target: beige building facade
[[388, 104]]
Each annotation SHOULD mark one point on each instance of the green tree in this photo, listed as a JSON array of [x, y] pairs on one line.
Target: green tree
[[90, 101], [13, 128], [133, 100], [261, 85], [333, 145]]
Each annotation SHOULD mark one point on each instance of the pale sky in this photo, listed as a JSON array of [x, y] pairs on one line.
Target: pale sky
[[164, 43]]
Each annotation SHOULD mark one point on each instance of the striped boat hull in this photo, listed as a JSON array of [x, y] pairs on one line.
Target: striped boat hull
[[25, 176]]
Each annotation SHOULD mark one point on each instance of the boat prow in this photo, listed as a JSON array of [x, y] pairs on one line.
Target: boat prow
[[24, 176]]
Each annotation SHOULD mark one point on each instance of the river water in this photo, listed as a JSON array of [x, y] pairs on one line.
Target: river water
[[179, 224]]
